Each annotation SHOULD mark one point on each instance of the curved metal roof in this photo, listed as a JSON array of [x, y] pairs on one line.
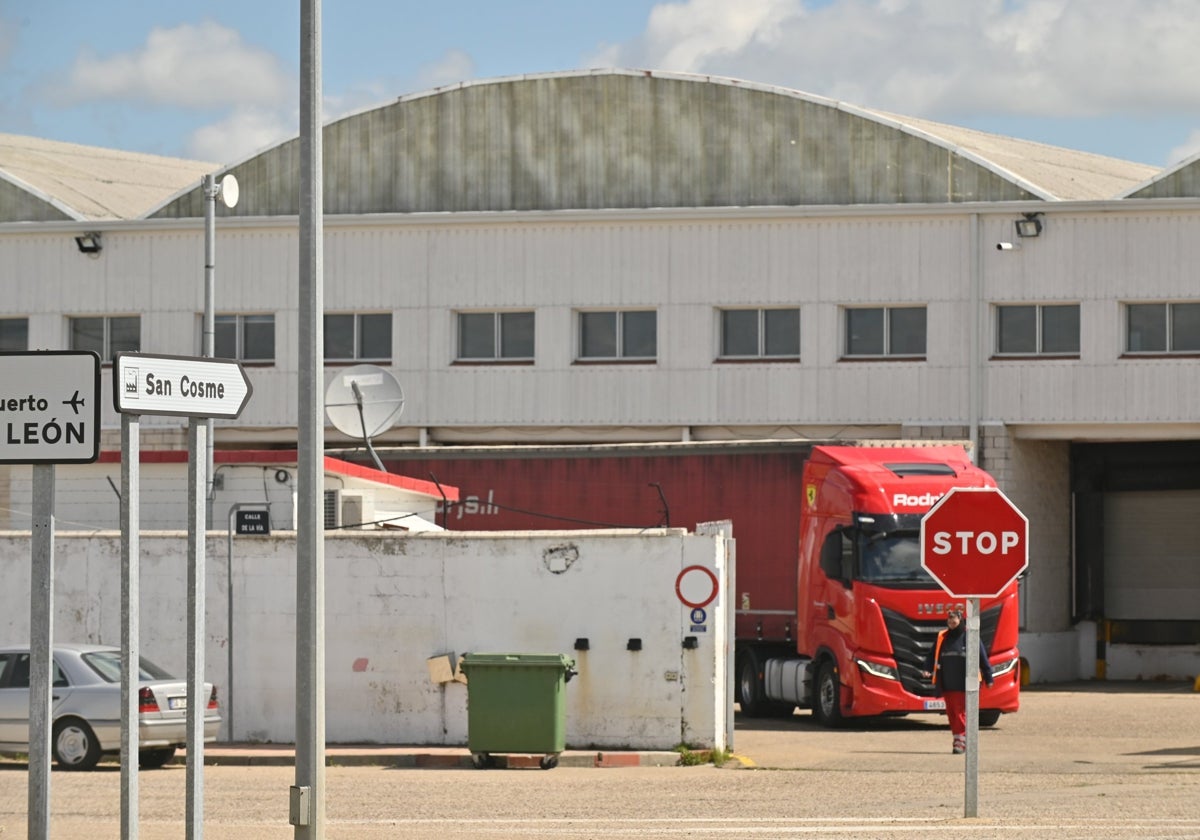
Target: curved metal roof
[[625, 139], [599, 139]]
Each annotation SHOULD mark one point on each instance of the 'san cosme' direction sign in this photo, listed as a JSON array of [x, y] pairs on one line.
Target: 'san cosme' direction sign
[[182, 386]]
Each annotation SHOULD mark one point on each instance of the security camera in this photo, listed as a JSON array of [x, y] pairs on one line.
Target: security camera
[[1007, 246]]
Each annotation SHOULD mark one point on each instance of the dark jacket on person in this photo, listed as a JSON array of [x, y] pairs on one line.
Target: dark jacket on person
[[947, 659]]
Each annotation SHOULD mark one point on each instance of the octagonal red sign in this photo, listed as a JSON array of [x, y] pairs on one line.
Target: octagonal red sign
[[974, 542]]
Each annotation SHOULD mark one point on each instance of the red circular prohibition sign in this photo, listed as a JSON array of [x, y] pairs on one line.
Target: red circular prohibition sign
[[696, 604]]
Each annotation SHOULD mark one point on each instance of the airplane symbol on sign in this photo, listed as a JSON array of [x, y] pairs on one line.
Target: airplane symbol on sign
[[75, 402]]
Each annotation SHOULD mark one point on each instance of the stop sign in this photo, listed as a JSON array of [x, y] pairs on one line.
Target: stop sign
[[974, 542]]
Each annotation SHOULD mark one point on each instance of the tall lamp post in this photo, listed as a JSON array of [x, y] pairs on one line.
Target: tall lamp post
[[227, 190]]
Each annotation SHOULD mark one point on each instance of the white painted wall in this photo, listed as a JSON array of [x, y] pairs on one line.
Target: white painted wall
[[392, 602]]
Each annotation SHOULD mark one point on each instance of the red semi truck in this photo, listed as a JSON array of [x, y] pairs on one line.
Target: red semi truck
[[833, 609]]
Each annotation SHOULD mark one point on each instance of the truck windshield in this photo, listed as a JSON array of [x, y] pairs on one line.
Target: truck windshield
[[891, 557]]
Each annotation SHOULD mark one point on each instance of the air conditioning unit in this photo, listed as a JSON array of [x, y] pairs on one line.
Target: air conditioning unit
[[349, 509]]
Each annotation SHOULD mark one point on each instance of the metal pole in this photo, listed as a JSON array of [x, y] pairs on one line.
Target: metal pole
[[229, 617], [41, 647], [971, 797], [975, 351], [130, 656], [210, 269], [197, 702], [307, 803]]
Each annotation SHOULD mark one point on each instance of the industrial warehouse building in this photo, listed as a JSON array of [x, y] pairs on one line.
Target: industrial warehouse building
[[630, 257]]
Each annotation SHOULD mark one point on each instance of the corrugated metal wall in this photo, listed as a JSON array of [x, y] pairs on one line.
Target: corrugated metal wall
[[18, 203]]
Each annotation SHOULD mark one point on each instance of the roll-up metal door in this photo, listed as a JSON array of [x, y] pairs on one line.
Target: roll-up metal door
[[1152, 555]]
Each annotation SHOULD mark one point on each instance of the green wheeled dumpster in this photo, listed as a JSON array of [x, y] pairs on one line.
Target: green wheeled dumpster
[[516, 703]]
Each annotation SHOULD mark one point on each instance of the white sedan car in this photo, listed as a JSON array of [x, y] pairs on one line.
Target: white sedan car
[[86, 706]]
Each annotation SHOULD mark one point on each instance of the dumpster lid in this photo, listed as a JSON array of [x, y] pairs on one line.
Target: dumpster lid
[[525, 660]]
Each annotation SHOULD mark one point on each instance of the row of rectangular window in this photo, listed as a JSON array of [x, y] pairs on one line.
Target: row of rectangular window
[[768, 333]]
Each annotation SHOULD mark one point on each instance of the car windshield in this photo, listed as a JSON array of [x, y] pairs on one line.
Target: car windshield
[[891, 557], [107, 663]]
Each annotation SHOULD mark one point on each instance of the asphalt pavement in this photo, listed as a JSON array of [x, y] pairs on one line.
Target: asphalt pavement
[[1056, 729]]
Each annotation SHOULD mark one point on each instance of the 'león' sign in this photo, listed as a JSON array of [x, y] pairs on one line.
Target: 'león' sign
[[49, 407], [181, 386]]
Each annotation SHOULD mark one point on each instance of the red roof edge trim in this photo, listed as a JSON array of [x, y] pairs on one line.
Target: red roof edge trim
[[290, 456], [403, 482]]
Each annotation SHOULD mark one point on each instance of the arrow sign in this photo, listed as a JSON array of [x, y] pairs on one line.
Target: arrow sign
[[181, 386]]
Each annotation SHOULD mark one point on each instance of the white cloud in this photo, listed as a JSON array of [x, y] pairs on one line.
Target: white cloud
[[202, 65], [1185, 150], [244, 131], [451, 67], [251, 128], [929, 57]]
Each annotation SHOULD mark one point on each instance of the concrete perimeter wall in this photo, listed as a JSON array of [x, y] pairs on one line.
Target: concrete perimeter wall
[[397, 605]]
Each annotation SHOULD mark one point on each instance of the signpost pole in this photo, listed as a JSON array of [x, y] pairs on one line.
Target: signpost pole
[[971, 788], [200, 389], [229, 622], [197, 703], [41, 647], [130, 623], [974, 543], [58, 423]]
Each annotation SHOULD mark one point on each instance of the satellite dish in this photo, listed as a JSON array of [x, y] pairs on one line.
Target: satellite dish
[[363, 401], [228, 191]]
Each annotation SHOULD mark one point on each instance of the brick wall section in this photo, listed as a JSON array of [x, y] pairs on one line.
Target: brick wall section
[[1035, 475]]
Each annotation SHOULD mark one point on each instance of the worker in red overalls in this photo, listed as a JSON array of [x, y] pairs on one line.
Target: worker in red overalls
[[947, 665]]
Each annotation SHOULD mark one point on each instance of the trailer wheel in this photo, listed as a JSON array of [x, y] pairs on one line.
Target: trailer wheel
[[827, 704], [989, 717], [750, 689]]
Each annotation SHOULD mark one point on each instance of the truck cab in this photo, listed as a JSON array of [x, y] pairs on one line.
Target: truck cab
[[867, 612]]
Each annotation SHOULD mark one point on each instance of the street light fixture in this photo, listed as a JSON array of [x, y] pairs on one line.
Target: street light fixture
[[227, 190]]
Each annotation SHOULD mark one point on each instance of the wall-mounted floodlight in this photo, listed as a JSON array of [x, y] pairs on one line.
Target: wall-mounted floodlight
[[1029, 226], [89, 243]]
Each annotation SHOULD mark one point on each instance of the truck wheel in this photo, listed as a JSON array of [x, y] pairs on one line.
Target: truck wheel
[[750, 690], [989, 717], [827, 702]]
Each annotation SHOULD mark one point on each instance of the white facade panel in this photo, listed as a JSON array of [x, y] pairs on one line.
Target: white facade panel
[[685, 266]]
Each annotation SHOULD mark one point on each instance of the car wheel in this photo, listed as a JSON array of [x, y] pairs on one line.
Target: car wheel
[[153, 759], [989, 717], [75, 745], [827, 705]]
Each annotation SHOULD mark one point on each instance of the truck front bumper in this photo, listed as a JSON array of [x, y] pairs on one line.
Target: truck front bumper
[[867, 693]]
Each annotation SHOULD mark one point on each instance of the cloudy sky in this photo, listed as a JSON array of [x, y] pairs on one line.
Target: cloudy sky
[[217, 80]]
